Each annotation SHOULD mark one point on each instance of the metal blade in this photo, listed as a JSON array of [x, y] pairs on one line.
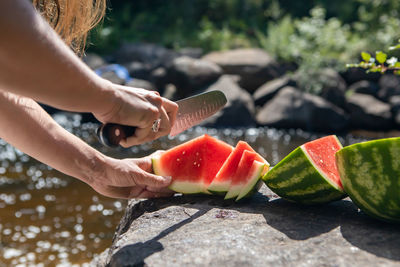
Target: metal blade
[[195, 109]]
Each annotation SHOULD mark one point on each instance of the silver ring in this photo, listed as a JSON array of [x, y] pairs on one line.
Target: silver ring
[[156, 125]]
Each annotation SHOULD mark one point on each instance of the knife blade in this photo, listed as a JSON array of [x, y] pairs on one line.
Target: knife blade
[[191, 111]]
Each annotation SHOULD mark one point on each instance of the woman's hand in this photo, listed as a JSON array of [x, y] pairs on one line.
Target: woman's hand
[[130, 178], [138, 107]]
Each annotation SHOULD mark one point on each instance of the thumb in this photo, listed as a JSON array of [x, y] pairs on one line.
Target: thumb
[[149, 179]]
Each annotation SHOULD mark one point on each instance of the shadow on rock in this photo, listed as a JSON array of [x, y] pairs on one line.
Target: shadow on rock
[[301, 222], [135, 254], [378, 238]]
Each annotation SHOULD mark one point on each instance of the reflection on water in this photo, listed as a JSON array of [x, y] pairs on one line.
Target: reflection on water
[[48, 218]]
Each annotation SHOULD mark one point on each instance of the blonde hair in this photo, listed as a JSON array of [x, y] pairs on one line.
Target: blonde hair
[[72, 19]]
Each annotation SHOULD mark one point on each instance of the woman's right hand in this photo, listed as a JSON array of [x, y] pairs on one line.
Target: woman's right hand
[[140, 108]]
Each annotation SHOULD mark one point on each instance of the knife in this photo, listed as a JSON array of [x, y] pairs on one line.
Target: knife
[[191, 111]]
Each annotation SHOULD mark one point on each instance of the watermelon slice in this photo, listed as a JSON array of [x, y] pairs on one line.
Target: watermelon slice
[[370, 173], [308, 174], [192, 165], [248, 172], [222, 181]]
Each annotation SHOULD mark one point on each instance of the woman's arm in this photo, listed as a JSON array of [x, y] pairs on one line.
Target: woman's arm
[[35, 62], [25, 125]]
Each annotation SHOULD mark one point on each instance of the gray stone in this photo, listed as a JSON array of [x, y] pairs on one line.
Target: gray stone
[[389, 85], [138, 83], [364, 87], [139, 70], [269, 89], [190, 74], [194, 52], [291, 108], [94, 61], [262, 231], [254, 66], [353, 75], [113, 77], [394, 102], [239, 111], [367, 112]]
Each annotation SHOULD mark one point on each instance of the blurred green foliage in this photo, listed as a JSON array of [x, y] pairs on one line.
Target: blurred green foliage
[[311, 33]]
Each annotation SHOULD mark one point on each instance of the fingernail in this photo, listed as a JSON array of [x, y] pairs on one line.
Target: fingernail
[[167, 179]]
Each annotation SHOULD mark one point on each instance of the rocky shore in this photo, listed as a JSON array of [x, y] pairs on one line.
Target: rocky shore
[[260, 90]]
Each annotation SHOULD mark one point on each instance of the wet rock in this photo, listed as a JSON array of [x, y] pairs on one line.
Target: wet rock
[[270, 89], [262, 231], [190, 74], [138, 83], [367, 112], [364, 87], [389, 85], [291, 108], [94, 61], [152, 54], [254, 66], [239, 111]]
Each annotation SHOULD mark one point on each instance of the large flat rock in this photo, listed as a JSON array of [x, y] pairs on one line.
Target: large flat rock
[[263, 231]]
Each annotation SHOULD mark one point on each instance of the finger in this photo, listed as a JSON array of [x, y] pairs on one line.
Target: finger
[[165, 124], [171, 108], [148, 179], [141, 136], [159, 190]]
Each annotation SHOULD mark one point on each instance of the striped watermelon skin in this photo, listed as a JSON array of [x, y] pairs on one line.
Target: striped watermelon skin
[[370, 173], [296, 178]]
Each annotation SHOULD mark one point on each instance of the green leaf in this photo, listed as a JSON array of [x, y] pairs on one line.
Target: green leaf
[[394, 47], [381, 57], [366, 56], [397, 65]]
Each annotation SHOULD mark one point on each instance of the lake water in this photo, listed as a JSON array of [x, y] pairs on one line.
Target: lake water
[[48, 218]]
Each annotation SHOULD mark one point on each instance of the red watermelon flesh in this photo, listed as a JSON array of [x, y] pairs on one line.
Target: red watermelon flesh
[[222, 180], [242, 171], [322, 154], [192, 165]]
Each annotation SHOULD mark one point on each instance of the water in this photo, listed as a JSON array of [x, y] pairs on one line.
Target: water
[[48, 218]]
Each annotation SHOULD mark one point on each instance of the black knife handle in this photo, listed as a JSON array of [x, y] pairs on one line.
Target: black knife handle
[[110, 134]]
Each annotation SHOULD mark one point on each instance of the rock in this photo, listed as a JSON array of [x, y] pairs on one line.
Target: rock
[[364, 87], [389, 85], [94, 61], [367, 112], [333, 87], [138, 83], [139, 70], [353, 75], [114, 72], [254, 66], [152, 54], [263, 231], [394, 102], [291, 108], [239, 111], [269, 89], [159, 78], [190, 74], [193, 52]]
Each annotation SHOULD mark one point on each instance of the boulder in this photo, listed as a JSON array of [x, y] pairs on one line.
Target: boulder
[[191, 74], [139, 70], [367, 112], [394, 102], [254, 66], [270, 89], [353, 75], [94, 61], [389, 85], [138, 83], [239, 111], [194, 52], [364, 87], [262, 231], [152, 54], [291, 108], [159, 77]]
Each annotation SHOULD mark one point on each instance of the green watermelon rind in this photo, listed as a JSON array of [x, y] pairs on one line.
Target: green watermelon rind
[[252, 186], [370, 173], [180, 187], [297, 179], [219, 188]]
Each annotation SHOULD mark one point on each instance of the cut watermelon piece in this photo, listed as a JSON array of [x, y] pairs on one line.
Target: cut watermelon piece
[[242, 173], [192, 165], [308, 174], [252, 182], [222, 181], [370, 173]]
